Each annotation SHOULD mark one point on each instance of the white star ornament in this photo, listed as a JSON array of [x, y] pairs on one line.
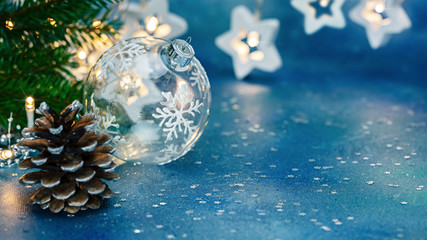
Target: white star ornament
[[320, 13], [380, 18], [250, 42], [156, 18]]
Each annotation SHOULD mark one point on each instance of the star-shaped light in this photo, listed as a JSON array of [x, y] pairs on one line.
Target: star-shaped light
[[250, 42], [380, 18], [320, 13], [151, 19]]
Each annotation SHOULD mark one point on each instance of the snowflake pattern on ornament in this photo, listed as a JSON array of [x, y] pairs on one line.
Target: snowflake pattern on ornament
[[175, 111], [119, 57], [107, 124], [170, 151], [196, 78]]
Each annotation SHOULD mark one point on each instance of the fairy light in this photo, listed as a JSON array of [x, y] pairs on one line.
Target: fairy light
[[6, 154], [246, 46], [104, 37], [126, 82], [10, 24], [253, 39], [152, 24], [96, 23], [29, 108], [380, 7], [82, 55], [324, 3], [373, 13], [52, 22], [29, 103]]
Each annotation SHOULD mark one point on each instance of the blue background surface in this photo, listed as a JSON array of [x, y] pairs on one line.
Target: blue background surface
[[331, 146]]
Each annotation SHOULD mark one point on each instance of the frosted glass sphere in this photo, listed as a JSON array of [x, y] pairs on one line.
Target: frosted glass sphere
[[152, 95]]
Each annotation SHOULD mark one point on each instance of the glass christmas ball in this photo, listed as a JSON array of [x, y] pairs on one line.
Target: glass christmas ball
[[152, 95]]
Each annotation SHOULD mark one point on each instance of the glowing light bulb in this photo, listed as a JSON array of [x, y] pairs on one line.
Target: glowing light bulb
[[324, 3], [373, 13], [127, 79], [104, 37], [152, 24], [6, 154], [380, 7], [29, 104], [10, 24], [96, 24], [52, 22], [253, 39], [82, 55], [126, 82]]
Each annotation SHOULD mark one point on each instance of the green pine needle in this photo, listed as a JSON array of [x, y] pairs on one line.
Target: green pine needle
[[36, 42]]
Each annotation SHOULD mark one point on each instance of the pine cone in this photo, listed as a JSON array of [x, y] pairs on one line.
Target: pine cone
[[72, 160]]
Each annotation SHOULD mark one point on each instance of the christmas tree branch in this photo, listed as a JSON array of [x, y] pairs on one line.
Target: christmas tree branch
[[32, 8], [38, 41]]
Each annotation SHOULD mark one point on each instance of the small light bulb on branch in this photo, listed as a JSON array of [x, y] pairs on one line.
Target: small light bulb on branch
[[52, 22], [82, 55], [96, 24], [104, 38], [10, 24]]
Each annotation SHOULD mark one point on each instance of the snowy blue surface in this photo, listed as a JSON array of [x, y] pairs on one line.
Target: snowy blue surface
[[332, 146]]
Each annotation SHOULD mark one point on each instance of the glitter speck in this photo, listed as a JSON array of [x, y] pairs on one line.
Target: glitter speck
[[325, 228]]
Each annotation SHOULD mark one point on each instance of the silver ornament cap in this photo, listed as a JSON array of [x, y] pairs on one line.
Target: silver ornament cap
[[178, 55]]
